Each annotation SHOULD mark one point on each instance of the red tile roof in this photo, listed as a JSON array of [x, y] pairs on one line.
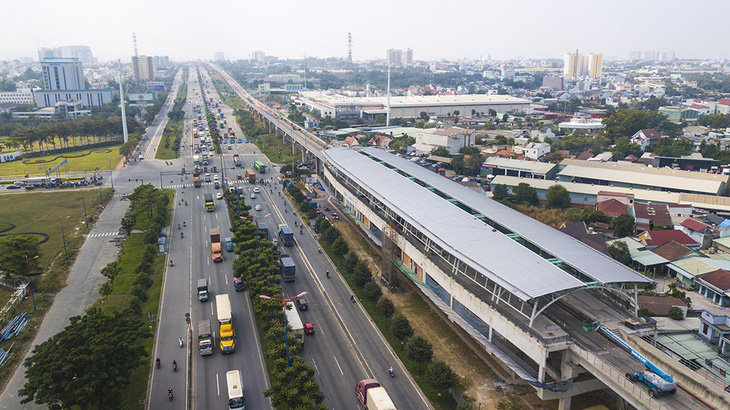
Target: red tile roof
[[719, 279], [612, 207], [659, 305], [651, 133], [694, 225], [724, 101], [657, 238], [672, 251]]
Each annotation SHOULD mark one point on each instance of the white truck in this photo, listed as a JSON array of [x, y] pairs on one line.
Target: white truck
[[293, 320], [205, 337]]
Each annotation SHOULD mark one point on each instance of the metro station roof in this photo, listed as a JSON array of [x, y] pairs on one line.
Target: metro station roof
[[497, 256]]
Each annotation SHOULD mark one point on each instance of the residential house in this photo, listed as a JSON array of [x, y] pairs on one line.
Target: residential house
[[535, 150], [579, 231], [651, 215], [716, 330], [653, 239], [723, 106], [646, 137], [660, 305], [673, 251], [716, 286], [378, 140], [698, 231], [614, 204], [351, 142]]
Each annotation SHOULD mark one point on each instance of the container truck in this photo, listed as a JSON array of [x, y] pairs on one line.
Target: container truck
[[209, 204], [286, 235], [205, 338], [295, 322], [215, 245], [203, 289], [288, 271], [373, 396], [225, 321], [250, 175], [196, 179]]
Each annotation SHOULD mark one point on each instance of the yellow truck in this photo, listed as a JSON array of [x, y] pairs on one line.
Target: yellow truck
[[225, 321]]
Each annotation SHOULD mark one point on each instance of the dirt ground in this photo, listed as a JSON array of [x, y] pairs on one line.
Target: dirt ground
[[478, 379]]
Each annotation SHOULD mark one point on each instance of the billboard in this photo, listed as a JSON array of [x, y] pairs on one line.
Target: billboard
[[155, 86], [140, 99]]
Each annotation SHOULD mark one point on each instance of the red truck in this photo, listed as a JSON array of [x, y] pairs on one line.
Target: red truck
[[372, 395], [215, 245], [250, 176], [196, 179]]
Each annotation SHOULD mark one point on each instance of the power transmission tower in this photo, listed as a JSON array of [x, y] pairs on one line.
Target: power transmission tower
[[349, 48]]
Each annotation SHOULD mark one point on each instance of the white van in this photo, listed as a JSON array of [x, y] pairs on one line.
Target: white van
[[235, 390]]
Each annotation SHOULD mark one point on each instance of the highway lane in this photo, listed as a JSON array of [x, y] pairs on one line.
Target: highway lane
[[347, 347]]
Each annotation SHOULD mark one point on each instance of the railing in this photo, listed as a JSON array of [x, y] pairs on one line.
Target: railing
[[619, 378]]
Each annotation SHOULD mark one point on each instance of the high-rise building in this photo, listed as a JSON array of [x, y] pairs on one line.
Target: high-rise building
[[595, 65], [82, 53], [634, 55], [650, 55], [219, 56], [259, 56], [554, 82], [400, 57], [162, 61], [62, 74], [144, 68]]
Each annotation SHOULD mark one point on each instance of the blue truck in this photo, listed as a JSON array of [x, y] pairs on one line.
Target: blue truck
[[286, 235], [288, 270], [265, 228]]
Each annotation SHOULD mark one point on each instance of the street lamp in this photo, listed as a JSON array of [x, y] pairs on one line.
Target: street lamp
[[65, 252], [284, 301], [30, 280], [255, 222], [86, 216]]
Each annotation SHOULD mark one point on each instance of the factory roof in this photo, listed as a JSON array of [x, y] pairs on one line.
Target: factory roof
[[529, 166], [504, 260], [409, 101]]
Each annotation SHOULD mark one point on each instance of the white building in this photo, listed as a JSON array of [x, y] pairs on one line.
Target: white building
[[219, 56], [17, 97], [535, 150], [62, 74], [453, 139], [82, 53], [145, 68]]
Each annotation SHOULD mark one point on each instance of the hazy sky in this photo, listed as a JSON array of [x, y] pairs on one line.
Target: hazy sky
[[185, 29]]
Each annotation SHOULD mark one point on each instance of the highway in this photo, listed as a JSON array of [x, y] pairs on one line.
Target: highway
[[346, 347]]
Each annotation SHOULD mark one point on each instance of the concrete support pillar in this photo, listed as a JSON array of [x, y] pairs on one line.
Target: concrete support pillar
[[490, 334], [564, 403]]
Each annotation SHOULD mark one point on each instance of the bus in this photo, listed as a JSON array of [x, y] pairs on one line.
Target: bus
[[209, 204], [259, 166], [235, 390]]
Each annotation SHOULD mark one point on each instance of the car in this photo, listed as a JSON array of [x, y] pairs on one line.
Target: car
[[230, 147], [219, 196], [275, 241], [215, 177], [309, 328], [302, 304], [216, 185], [239, 176], [258, 207], [253, 196], [14, 187], [256, 190]]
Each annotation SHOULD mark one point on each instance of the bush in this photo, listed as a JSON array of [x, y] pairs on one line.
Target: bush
[[401, 327], [150, 237], [140, 292], [106, 288], [676, 313], [143, 279], [372, 291]]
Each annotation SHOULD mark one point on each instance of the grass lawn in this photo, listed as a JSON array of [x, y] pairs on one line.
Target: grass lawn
[[225, 91], [172, 130], [84, 160]]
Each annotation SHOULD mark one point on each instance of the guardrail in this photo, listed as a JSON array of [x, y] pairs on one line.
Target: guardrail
[[639, 393]]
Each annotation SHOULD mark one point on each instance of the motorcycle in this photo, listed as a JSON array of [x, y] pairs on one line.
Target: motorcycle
[[328, 274], [184, 224], [319, 250], [392, 373], [157, 362], [182, 235], [169, 393], [174, 366], [180, 341], [171, 262]]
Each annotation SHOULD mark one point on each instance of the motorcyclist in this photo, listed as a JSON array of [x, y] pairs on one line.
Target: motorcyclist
[[328, 274], [184, 224], [157, 362], [178, 226], [319, 249], [181, 234], [180, 341], [391, 371], [170, 265], [174, 366]]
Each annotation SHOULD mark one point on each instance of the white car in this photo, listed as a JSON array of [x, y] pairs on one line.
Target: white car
[[219, 196], [258, 207], [215, 177], [256, 190], [253, 196]]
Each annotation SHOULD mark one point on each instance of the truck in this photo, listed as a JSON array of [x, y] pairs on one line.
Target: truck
[[292, 319], [250, 175], [259, 166], [229, 244], [237, 160], [196, 179], [215, 245], [286, 235], [225, 321], [373, 396], [203, 289], [289, 269], [205, 338], [196, 159], [659, 381], [209, 204], [264, 228]]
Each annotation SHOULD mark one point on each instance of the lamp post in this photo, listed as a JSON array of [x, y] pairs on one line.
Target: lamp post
[[30, 280], [86, 216], [65, 252], [284, 301], [256, 222]]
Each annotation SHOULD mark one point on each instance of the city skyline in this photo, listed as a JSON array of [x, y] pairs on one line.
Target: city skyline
[[529, 29]]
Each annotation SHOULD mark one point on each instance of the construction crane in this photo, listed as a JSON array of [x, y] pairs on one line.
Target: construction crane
[[658, 381]]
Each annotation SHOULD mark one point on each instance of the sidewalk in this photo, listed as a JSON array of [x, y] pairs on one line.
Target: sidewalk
[[73, 300]]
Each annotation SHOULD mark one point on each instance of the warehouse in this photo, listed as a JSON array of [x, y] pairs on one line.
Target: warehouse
[[344, 107]]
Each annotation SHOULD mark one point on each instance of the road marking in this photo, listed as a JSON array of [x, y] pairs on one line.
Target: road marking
[[338, 365], [226, 279], [217, 384]]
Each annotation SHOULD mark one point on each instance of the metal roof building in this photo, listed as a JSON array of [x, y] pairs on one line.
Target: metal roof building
[[484, 234]]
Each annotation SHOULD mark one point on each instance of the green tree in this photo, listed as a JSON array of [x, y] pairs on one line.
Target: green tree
[[473, 163], [500, 192], [88, 364], [18, 253], [339, 247], [440, 376], [372, 290], [591, 216], [441, 152], [623, 225], [675, 313], [624, 148], [362, 274], [525, 194], [401, 327], [557, 197], [385, 307], [424, 116], [619, 250], [419, 350], [554, 157], [457, 163]]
